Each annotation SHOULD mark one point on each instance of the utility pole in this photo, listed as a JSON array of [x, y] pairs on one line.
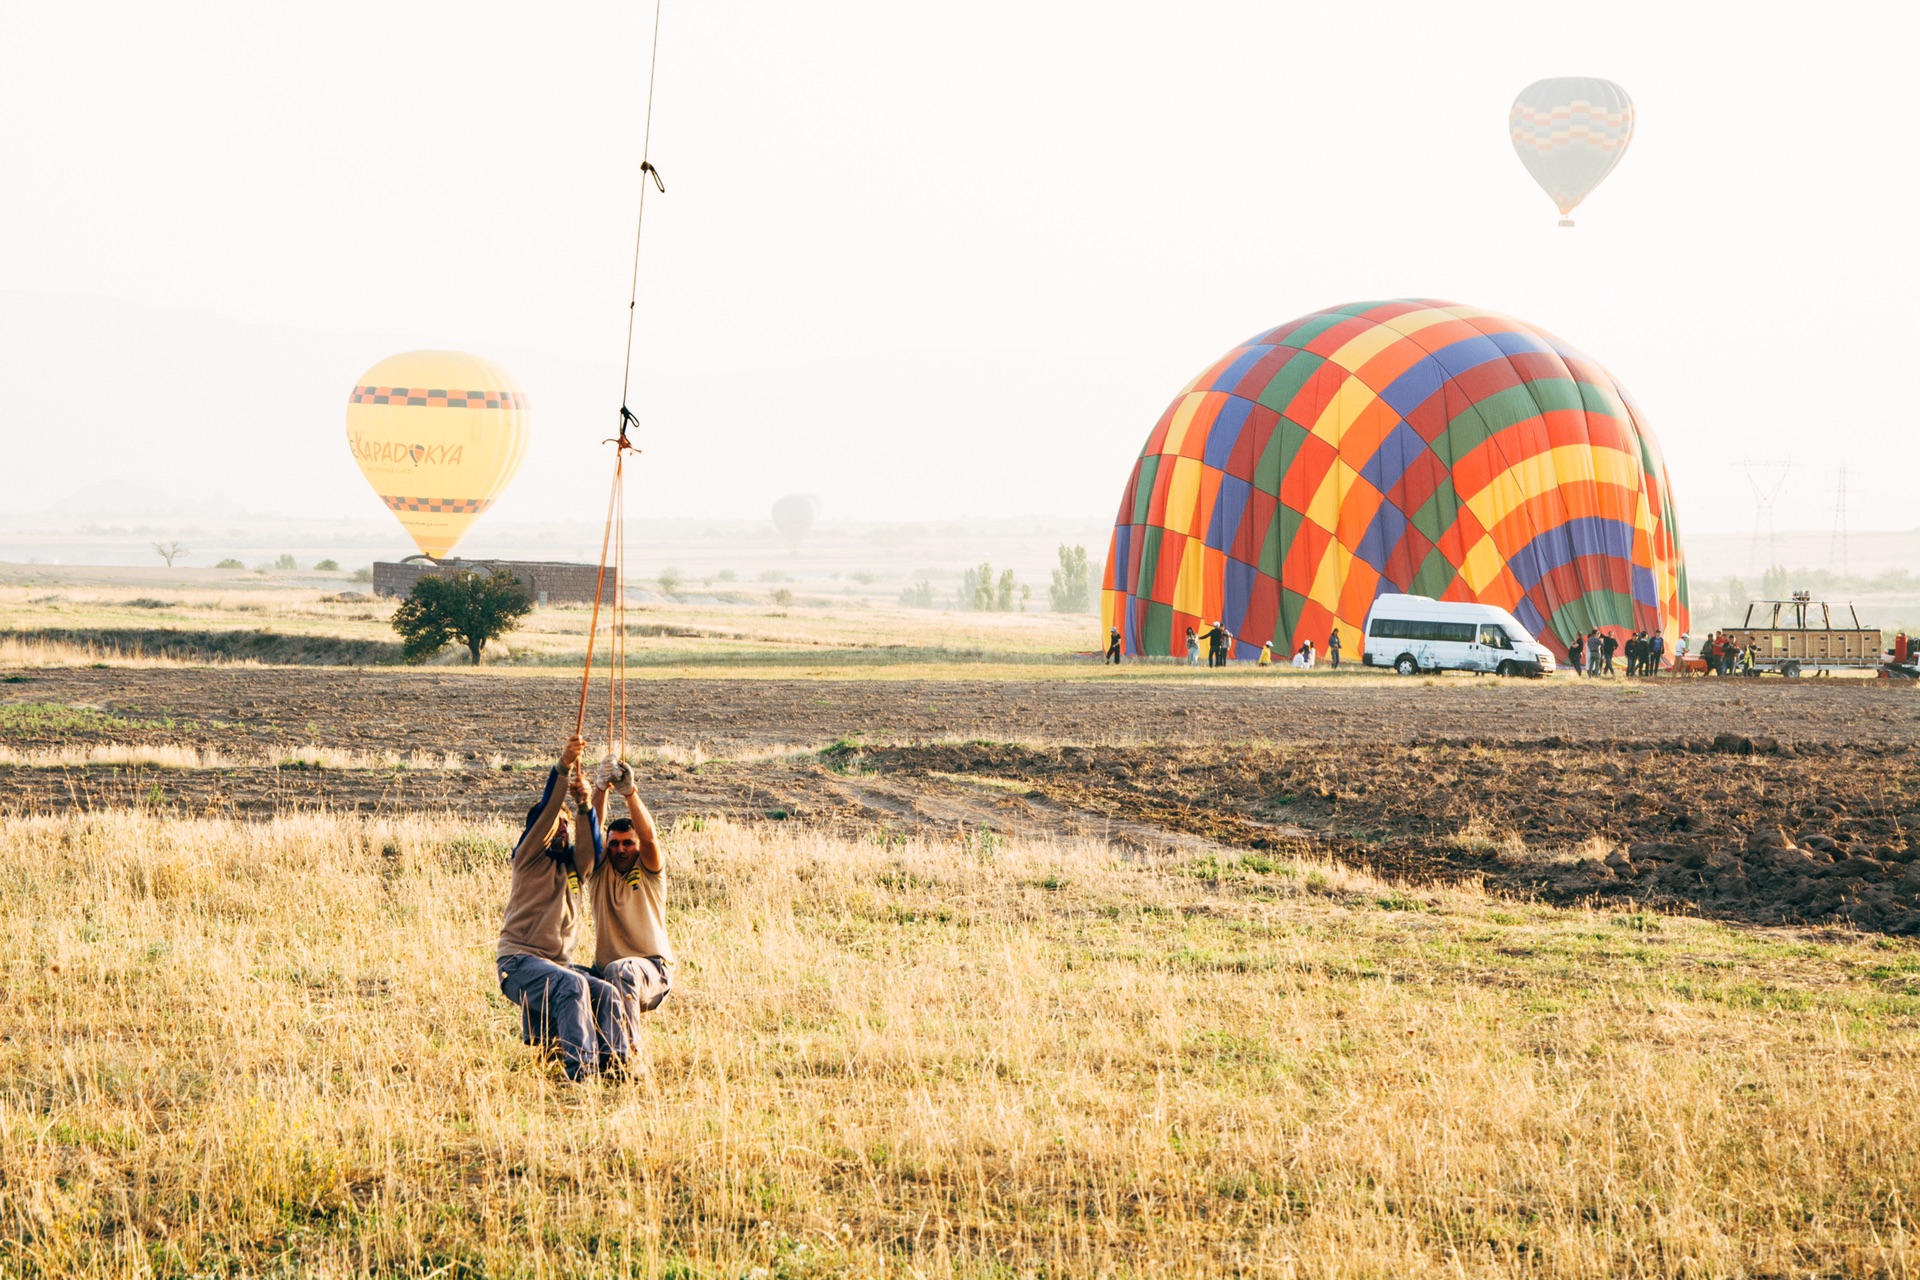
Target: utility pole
[[1837, 544], [1767, 479]]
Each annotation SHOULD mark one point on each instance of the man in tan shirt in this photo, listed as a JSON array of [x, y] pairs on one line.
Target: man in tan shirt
[[561, 1006], [630, 948]]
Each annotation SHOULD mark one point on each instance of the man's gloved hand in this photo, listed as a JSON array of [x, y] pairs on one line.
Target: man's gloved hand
[[603, 773], [622, 776]]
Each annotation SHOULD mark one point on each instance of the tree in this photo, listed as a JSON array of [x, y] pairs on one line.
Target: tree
[[1774, 583], [918, 596], [1072, 589], [470, 607], [168, 550], [328, 566]]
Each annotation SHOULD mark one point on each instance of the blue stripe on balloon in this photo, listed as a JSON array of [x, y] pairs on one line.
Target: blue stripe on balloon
[[1391, 460], [1414, 387], [1515, 343], [1229, 508], [1241, 580], [1225, 432], [1382, 536], [1587, 536], [1230, 376], [1530, 618], [1643, 589]]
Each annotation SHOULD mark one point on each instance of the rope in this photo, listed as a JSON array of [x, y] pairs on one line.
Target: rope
[[613, 535]]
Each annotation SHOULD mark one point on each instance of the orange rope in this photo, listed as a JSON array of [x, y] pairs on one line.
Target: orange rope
[[599, 590], [616, 523]]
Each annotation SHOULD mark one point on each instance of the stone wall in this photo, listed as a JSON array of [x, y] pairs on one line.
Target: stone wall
[[547, 581]]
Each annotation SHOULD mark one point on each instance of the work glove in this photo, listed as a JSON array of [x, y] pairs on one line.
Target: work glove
[[622, 776], [603, 772]]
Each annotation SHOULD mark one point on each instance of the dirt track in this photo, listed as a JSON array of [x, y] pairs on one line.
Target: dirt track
[[523, 715]]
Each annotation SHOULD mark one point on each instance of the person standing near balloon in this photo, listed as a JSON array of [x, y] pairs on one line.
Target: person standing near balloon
[[1113, 646], [1333, 648]]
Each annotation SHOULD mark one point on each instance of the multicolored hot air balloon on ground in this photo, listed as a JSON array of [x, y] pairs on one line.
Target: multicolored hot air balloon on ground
[[1570, 131], [438, 434], [1407, 446]]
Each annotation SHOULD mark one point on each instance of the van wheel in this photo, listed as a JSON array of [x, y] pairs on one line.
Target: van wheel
[[1406, 666], [1508, 669]]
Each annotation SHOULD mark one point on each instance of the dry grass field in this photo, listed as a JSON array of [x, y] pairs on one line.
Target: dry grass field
[[276, 1048], [995, 962]]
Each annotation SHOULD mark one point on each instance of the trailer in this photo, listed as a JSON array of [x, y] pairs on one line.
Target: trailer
[[1798, 637]]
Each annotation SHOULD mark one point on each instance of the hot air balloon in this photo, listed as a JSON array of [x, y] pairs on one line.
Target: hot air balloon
[[794, 515], [438, 434], [1570, 131], [1409, 446]]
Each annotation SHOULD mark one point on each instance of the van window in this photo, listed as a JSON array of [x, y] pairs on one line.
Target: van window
[[1495, 636], [1421, 629]]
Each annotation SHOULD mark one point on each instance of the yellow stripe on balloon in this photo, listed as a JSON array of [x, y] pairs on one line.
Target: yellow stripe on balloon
[[1364, 346], [1182, 420], [1189, 593], [1183, 493], [1327, 578], [1568, 464], [1324, 507], [1482, 565], [1415, 321], [1345, 407]]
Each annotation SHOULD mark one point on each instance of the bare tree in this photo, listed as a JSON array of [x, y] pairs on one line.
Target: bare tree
[[168, 550]]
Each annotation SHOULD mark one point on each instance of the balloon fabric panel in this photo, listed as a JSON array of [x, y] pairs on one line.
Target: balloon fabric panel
[[1406, 446]]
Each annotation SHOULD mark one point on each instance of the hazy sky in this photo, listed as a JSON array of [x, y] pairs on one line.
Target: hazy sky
[[921, 259]]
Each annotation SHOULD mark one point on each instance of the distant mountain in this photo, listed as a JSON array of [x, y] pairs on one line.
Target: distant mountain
[[125, 500]]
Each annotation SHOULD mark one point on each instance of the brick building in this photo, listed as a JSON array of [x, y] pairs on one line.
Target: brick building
[[547, 581]]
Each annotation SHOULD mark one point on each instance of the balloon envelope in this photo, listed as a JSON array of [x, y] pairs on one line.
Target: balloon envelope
[[794, 515], [1570, 131], [1407, 446], [438, 434]]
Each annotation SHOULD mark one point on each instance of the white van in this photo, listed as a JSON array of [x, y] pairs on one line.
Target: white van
[[1412, 634]]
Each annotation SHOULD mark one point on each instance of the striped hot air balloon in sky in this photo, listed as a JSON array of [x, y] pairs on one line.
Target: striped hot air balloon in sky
[[1406, 446], [1570, 131]]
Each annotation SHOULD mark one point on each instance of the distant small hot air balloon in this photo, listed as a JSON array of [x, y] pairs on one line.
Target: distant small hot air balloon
[[438, 434], [1570, 131], [794, 515]]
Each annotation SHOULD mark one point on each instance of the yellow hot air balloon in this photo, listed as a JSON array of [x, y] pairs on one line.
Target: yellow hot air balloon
[[438, 434]]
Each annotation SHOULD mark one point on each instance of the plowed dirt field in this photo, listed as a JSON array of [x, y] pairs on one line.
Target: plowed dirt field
[[1764, 800]]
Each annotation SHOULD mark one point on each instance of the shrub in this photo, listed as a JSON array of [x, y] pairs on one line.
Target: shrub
[[669, 580], [285, 562], [362, 574], [470, 607], [231, 563], [328, 566]]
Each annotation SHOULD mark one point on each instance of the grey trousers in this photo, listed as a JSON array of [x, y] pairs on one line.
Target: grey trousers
[[569, 1010], [640, 983]]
